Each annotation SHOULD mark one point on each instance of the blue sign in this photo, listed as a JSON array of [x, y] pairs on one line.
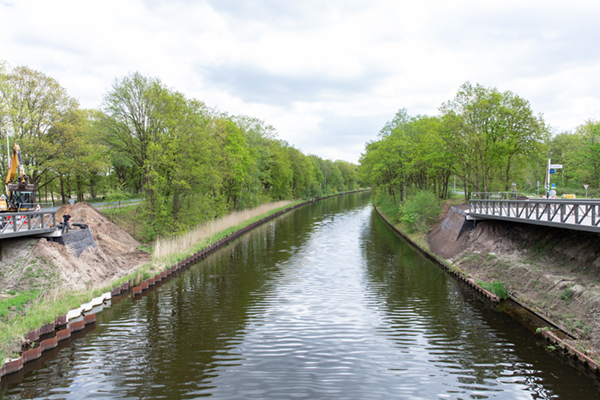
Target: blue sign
[[552, 171], [553, 185]]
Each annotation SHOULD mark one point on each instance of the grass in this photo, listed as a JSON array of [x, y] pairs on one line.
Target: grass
[[566, 294], [17, 303], [39, 311], [495, 287]]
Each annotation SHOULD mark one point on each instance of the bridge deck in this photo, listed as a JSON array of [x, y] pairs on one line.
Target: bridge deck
[[34, 223], [569, 214]]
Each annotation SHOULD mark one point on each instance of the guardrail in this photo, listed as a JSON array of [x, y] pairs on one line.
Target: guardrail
[[571, 214], [27, 223]]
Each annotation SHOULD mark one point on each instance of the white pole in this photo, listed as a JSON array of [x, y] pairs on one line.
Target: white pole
[[548, 179]]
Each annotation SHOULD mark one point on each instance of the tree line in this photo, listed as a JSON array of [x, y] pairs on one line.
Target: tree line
[[489, 141], [486, 138], [189, 162]]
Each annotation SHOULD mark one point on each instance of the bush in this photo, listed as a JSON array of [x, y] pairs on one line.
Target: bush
[[388, 206], [420, 211]]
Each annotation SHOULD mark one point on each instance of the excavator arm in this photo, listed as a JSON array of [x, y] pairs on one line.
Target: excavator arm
[[16, 182], [16, 167]]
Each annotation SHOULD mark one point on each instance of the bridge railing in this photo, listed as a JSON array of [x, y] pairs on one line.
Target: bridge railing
[[568, 213], [512, 195], [11, 223]]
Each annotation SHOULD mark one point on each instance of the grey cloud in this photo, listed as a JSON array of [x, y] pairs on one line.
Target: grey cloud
[[254, 85], [294, 15], [352, 127], [339, 137], [28, 40], [485, 31]]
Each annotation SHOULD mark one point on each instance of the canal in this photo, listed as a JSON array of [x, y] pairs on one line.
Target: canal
[[325, 302]]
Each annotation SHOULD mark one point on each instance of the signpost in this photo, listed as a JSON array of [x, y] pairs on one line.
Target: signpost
[[551, 170], [586, 186]]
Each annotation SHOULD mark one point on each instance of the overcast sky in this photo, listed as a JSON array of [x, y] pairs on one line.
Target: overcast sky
[[326, 74]]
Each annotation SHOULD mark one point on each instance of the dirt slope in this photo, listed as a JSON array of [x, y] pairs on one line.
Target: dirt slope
[[38, 263], [555, 271]]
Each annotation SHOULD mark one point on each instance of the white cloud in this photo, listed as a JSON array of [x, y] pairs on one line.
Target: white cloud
[[326, 74]]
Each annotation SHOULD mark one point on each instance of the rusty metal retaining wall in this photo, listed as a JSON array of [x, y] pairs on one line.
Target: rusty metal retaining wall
[[76, 320]]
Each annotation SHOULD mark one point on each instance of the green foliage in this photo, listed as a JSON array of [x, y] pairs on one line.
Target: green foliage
[[189, 162], [566, 294], [493, 134], [495, 287], [485, 138], [388, 206], [420, 211], [17, 303]]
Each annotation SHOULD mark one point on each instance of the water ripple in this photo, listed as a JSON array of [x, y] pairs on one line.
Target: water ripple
[[324, 303]]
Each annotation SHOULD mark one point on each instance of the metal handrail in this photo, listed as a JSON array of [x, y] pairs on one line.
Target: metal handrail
[[27, 221], [567, 213]]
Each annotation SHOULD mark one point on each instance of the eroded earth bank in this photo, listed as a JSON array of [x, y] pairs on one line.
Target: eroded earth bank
[[554, 271]]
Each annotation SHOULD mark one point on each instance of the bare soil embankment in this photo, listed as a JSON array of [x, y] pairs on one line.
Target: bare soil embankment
[[554, 271], [42, 264]]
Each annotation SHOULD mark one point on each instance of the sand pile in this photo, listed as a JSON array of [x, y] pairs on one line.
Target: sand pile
[[41, 263]]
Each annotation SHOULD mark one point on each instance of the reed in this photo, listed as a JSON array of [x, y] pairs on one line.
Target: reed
[[166, 248]]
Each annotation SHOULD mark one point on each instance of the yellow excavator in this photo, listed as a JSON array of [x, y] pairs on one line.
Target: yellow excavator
[[20, 194]]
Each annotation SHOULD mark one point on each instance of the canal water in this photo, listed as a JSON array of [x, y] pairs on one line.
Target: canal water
[[325, 302]]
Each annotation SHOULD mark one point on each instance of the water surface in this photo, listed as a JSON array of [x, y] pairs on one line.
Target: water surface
[[325, 302]]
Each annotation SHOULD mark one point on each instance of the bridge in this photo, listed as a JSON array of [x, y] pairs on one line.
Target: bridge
[[33, 223], [582, 215]]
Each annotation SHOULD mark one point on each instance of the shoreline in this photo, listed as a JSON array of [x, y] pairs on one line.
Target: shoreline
[[134, 283], [553, 336]]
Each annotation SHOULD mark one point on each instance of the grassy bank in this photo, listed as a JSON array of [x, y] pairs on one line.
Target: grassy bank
[[29, 311]]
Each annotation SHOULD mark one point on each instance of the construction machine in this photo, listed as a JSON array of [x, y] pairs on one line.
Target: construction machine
[[20, 194]]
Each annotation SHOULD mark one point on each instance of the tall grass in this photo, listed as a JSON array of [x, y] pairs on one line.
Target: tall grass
[[167, 248]]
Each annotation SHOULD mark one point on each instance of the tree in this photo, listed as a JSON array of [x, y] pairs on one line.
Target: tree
[[488, 132], [33, 104], [349, 174], [165, 136], [589, 153]]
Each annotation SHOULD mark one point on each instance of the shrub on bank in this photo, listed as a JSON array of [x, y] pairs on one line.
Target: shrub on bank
[[419, 212], [389, 206]]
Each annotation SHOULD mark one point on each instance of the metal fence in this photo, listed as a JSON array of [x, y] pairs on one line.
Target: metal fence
[[571, 214]]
